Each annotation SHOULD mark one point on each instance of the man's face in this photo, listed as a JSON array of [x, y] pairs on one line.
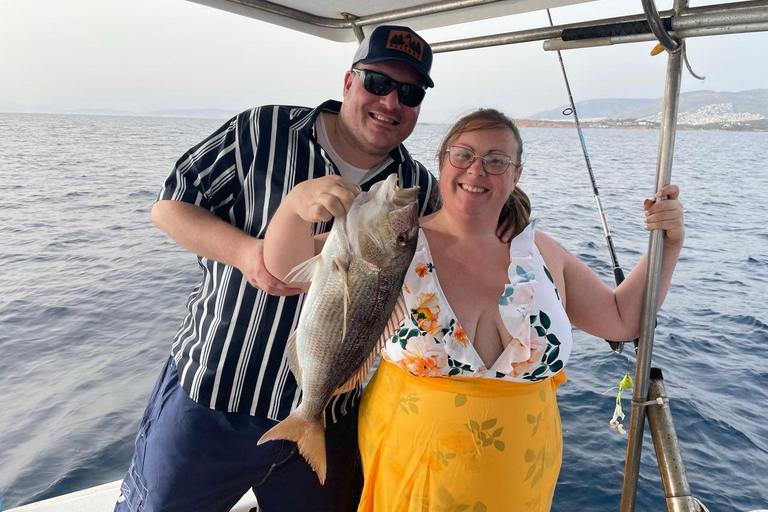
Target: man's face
[[375, 125]]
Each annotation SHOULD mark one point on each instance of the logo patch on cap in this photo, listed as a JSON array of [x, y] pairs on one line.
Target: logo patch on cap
[[407, 42]]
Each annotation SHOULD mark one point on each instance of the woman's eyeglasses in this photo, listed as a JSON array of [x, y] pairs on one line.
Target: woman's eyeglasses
[[493, 163], [410, 95]]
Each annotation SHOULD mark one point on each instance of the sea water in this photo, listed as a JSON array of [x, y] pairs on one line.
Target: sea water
[[91, 295]]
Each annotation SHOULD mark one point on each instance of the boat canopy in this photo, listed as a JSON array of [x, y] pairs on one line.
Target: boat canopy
[[349, 20], [339, 20]]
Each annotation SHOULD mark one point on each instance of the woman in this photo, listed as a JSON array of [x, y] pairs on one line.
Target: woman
[[461, 413]]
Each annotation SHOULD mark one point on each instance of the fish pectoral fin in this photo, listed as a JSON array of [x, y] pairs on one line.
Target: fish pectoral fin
[[342, 265], [293, 356], [393, 324], [303, 272]]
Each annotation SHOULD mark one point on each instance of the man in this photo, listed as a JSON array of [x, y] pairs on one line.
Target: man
[[227, 381]]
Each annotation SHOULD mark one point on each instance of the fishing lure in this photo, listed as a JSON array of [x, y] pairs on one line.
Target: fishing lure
[[618, 414]]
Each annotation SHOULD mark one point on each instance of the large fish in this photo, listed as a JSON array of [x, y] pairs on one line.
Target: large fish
[[356, 284]]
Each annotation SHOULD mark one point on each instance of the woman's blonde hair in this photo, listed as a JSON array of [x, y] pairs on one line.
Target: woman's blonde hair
[[518, 205]]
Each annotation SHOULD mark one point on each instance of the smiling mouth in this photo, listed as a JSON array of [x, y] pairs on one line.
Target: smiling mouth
[[474, 190], [384, 119]]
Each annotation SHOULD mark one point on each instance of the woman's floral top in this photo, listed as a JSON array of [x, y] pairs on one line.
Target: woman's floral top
[[432, 343]]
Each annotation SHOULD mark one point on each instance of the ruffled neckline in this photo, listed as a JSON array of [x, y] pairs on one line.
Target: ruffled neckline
[[515, 306]]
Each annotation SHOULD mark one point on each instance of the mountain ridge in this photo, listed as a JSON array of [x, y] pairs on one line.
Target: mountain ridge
[[704, 109]]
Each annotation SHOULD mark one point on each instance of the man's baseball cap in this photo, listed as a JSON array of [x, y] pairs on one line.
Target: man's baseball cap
[[389, 42]]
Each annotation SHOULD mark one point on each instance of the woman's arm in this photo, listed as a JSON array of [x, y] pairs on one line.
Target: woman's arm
[[593, 307], [289, 239]]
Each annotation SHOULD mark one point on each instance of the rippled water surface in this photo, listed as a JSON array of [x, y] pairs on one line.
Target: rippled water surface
[[91, 295]]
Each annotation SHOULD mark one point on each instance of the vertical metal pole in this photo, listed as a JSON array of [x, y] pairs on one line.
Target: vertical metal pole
[[651, 293], [676, 488]]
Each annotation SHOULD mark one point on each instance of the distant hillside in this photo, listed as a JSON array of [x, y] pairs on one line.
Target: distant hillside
[[597, 109], [208, 113], [7, 106], [98, 112], [705, 109]]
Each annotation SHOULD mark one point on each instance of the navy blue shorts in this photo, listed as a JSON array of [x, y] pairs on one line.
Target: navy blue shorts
[[191, 458]]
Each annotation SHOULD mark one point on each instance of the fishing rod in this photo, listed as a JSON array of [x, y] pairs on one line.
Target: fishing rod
[[618, 273]]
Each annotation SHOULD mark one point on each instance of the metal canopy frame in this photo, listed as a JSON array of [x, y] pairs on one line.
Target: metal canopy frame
[[343, 20], [738, 17]]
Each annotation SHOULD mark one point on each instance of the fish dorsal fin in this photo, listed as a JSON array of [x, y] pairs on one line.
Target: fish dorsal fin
[[303, 272], [293, 356], [393, 324], [342, 265]]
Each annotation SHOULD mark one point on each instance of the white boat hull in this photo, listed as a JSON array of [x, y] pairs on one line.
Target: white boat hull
[[102, 498]]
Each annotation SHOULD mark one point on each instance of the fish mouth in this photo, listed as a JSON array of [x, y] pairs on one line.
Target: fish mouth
[[385, 198], [405, 196], [388, 192]]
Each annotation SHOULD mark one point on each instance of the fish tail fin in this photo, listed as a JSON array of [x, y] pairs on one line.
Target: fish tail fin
[[309, 436]]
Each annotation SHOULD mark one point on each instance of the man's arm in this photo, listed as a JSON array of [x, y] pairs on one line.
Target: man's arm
[[203, 181], [201, 232]]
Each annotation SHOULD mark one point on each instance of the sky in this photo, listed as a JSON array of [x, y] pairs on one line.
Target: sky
[[148, 55]]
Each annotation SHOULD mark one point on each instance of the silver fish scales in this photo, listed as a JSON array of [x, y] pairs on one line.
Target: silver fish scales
[[352, 304]]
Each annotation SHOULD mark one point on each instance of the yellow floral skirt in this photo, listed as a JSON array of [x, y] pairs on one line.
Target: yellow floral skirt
[[459, 443]]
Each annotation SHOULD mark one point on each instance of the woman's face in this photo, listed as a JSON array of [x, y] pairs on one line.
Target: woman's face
[[473, 191]]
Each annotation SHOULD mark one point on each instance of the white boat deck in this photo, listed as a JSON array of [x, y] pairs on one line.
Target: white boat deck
[[102, 498]]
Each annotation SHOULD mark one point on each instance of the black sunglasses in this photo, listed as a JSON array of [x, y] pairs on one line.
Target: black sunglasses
[[410, 95]]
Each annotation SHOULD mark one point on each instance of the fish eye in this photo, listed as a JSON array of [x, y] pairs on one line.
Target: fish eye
[[402, 239]]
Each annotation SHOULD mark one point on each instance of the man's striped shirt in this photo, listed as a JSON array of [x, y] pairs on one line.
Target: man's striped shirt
[[230, 349]]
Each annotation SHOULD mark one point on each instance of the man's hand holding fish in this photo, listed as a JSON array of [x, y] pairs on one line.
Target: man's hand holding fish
[[323, 198]]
